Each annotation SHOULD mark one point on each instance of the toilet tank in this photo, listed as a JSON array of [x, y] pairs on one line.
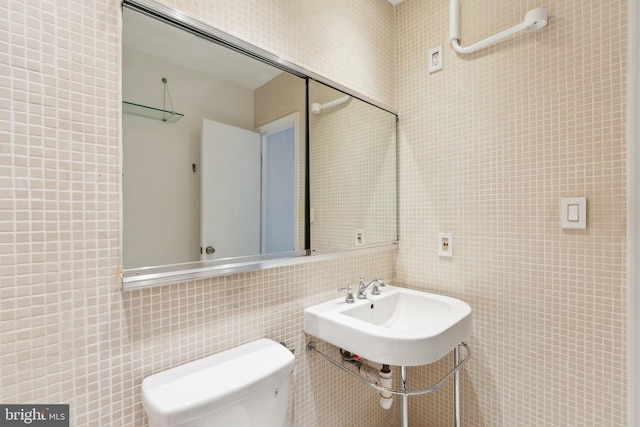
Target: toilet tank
[[246, 386]]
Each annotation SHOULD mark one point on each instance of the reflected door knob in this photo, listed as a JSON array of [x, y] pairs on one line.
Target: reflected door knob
[[210, 250]]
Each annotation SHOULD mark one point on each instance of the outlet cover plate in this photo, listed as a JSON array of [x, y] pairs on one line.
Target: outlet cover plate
[[435, 59], [445, 244]]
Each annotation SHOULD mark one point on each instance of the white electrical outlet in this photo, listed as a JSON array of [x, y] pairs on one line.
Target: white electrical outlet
[[445, 244], [359, 237], [435, 59]]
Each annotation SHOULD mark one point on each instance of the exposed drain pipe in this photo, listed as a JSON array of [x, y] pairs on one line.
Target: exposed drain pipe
[[386, 398], [382, 377]]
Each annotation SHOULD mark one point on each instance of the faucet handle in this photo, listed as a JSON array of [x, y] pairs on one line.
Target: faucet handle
[[362, 285], [376, 283], [349, 299]]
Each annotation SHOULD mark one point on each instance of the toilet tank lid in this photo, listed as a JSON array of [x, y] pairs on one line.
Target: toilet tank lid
[[191, 390]]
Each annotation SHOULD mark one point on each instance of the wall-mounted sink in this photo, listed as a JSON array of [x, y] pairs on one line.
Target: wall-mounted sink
[[401, 327]]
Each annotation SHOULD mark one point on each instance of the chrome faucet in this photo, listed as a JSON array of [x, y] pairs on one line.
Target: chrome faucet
[[374, 284]]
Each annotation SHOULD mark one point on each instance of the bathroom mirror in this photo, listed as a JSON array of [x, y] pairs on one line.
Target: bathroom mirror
[[186, 183], [352, 162], [200, 181]]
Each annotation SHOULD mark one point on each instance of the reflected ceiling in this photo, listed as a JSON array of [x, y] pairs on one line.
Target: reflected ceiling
[[187, 50]]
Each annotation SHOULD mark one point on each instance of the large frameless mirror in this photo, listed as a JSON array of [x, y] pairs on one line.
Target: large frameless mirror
[[215, 158]]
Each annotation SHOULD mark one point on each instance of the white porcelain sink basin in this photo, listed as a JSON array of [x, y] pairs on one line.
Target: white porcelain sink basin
[[400, 327]]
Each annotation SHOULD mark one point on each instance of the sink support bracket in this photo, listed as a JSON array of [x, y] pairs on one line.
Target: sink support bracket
[[405, 392], [456, 386]]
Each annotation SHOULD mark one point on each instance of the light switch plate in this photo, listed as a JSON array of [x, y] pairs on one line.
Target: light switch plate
[[573, 212]]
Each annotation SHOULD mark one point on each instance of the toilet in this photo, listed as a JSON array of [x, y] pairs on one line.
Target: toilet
[[246, 386]]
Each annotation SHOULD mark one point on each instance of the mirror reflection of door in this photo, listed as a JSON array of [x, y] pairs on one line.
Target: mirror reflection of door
[[248, 189], [230, 186]]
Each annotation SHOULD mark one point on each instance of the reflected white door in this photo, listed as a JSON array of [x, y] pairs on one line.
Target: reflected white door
[[230, 171]]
